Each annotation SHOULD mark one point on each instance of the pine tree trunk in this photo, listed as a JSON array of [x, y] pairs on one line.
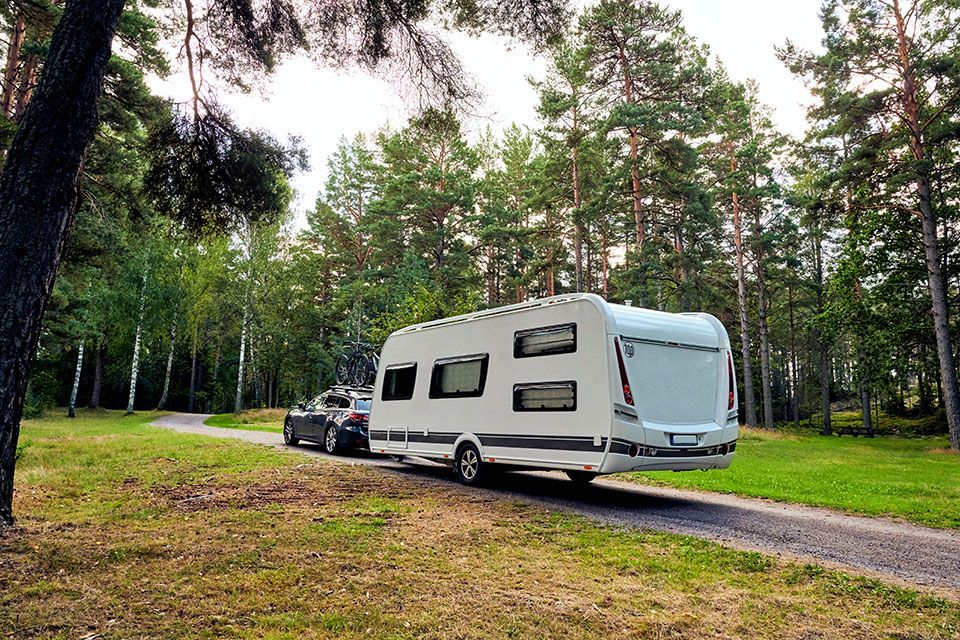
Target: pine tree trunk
[[76, 383], [764, 346], [38, 195], [12, 70], [865, 408], [193, 374], [577, 223], [28, 78], [793, 361], [166, 378], [98, 374], [749, 401], [826, 427], [135, 365], [238, 402]]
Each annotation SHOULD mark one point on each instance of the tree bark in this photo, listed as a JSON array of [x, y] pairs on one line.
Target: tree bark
[[826, 427], [12, 70], [577, 222], [135, 365], [166, 377], [749, 401], [764, 345], [28, 78], [793, 361], [238, 402], [865, 407], [193, 373], [98, 374], [76, 383], [38, 195]]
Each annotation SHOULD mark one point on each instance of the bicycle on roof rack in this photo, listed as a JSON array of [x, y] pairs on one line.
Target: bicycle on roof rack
[[358, 365]]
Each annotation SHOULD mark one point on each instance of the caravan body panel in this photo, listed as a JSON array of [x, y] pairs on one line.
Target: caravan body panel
[[556, 437]]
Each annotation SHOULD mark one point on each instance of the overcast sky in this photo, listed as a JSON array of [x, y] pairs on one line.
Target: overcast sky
[[321, 106]]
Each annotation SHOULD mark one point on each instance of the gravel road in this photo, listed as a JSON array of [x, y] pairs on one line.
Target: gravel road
[[909, 553]]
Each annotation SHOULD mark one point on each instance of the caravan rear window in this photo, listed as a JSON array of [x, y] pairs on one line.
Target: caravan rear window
[[460, 377], [545, 396], [545, 341], [398, 381]]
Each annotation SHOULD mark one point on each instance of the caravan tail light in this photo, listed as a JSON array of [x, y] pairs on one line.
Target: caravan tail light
[[730, 383], [624, 381]]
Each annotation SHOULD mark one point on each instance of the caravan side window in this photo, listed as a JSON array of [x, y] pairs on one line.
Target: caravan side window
[[545, 396], [398, 381], [545, 341], [460, 377]]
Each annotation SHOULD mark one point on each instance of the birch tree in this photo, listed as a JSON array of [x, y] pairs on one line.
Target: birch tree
[[135, 363], [76, 382]]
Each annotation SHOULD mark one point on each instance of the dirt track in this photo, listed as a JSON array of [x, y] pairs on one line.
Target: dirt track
[[910, 553]]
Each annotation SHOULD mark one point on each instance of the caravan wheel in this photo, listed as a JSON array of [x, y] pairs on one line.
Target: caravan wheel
[[468, 466], [581, 478]]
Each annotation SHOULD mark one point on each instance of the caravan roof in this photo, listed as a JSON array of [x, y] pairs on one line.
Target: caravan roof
[[684, 329]]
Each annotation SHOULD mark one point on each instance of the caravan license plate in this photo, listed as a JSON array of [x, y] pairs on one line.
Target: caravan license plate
[[683, 440]]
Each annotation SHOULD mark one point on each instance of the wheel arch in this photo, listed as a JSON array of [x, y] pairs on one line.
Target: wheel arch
[[464, 439]]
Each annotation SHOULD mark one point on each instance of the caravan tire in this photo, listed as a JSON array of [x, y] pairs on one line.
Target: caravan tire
[[468, 466], [581, 478], [289, 436]]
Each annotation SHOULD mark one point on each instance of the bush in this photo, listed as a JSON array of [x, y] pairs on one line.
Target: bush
[[21, 449], [887, 424]]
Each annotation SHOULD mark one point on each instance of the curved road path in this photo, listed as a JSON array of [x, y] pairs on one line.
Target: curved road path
[[910, 553]]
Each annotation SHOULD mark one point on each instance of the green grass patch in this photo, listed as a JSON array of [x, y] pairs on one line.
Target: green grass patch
[[254, 420], [917, 479], [126, 530]]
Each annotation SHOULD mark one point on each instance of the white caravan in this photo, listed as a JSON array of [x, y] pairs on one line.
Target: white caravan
[[569, 382]]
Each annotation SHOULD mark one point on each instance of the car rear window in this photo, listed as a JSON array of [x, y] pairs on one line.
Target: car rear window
[[363, 405]]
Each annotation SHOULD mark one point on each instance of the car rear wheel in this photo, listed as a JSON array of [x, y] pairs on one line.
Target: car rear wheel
[[581, 478], [468, 466], [331, 443], [289, 436]]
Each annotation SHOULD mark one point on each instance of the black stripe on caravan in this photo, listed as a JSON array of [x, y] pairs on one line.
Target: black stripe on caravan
[[542, 442], [433, 438], [566, 443]]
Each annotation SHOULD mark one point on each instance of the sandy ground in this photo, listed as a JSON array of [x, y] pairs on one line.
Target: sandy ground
[[908, 553]]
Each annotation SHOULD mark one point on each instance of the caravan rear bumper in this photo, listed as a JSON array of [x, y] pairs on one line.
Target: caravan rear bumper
[[629, 456]]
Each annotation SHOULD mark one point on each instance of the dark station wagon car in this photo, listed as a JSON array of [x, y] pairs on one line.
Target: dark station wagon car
[[336, 420]]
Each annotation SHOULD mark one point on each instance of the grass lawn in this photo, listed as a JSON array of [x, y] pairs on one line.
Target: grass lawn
[[253, 420], [126, 530], [916, 479]]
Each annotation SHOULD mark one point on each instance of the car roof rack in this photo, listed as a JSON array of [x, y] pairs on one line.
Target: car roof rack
[[346, 389]]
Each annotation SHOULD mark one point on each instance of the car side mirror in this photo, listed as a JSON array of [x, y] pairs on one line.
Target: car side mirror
[[301, 406]]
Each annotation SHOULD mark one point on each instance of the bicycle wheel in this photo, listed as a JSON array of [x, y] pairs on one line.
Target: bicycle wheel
[[358, 369], [372, 364], [343, 369]]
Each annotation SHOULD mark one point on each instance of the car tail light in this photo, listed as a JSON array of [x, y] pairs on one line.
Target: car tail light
[[359, 417], [730, 383], [624, 381]]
